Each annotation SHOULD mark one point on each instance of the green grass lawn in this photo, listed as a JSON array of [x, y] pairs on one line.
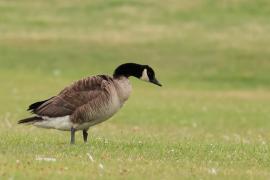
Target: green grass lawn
[[210, 120]]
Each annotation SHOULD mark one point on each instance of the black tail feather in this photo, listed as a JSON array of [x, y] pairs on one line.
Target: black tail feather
[[35, 105], [29, 120]]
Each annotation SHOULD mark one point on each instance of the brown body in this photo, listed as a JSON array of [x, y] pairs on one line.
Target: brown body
[[84, 103]]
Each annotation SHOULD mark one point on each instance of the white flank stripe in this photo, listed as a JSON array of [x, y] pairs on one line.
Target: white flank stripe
[[61, 123]]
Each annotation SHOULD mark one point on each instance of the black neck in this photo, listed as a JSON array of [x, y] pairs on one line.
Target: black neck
[[128, 69]]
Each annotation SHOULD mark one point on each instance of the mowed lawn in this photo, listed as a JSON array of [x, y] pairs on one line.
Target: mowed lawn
[[210, 120]]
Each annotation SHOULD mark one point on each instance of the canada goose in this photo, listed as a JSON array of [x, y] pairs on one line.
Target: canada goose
[[88, 101]]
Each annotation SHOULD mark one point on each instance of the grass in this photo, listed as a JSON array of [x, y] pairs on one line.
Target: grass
[[210, 120]]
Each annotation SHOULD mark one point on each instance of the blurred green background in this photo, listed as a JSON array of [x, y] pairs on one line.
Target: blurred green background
[[209, 120]]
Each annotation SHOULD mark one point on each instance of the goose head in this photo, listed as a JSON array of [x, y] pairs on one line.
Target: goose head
[[143, 72]]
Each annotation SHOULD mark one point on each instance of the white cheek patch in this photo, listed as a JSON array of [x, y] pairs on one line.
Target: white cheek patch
[[144, 76]]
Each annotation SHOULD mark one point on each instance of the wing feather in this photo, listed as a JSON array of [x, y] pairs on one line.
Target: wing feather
[[74, 96]]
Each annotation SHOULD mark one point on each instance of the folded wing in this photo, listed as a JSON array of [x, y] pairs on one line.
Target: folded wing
[[72, 97]]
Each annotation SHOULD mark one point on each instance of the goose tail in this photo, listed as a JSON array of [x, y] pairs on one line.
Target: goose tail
[[29, 120]]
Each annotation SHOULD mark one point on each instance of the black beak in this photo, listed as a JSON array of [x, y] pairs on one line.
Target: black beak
[[155, 81]]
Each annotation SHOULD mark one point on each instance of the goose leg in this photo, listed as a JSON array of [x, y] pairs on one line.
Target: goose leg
[[85, 135], [72, 137]]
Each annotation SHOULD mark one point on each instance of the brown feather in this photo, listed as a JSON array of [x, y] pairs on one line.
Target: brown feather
[[77, 96]]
